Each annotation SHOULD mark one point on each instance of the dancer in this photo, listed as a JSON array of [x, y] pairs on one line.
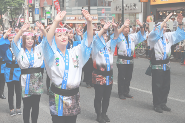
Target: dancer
[[125, 58], [2, 79], [12, 72], [102, 76], [64, 68], [160, 42]]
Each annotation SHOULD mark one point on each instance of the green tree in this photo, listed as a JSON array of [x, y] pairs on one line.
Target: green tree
[[13, 6]]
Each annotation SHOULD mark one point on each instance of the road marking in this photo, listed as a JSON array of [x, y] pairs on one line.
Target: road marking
[[149, 92]]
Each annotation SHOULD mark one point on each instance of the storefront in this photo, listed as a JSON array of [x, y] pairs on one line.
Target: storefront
[[132, 10], [160, 9]]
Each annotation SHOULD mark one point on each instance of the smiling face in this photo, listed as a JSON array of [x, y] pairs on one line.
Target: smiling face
[[126, 31], [29, 42], [71, 35], [10, 38], [105, 36], [61, 39]]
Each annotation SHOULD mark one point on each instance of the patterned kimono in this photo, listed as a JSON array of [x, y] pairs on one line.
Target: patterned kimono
[[55, 67], [135, 38], [99, 61], [23, 59], [155, 42]]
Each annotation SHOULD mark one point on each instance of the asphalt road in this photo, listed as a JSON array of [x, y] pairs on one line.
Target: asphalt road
[[136, 110]]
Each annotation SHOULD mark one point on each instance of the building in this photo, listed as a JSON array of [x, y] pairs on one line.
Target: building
[[99, 9], [133, 10], [161, 8]]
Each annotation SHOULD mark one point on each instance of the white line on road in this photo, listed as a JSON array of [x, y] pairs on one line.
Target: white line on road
[[151, 93]]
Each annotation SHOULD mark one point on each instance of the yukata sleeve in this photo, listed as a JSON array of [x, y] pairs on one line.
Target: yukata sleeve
[[97, 44], [154, 36], [176, 37], [16, 48], [4, 44], [114, 42], [138, 37], [78, 37], [85, 50], [49, 51], [39, 39]]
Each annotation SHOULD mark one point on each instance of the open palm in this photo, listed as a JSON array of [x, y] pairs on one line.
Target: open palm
[[114, 24], [139, 23], [87, 15], [25, 27], [59, 17], [106, 26], [179, 18], [127, 23]]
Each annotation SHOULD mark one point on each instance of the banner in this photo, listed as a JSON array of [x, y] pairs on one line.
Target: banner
[[155, 2], [143, 0], [57, 6]]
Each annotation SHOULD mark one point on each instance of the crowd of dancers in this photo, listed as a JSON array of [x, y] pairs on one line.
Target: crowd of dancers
[[65, 55]]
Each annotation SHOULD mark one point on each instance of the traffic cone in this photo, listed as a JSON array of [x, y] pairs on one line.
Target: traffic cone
[[115, 52], [134, 56]]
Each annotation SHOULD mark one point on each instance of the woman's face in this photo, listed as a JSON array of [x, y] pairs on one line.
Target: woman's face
[[105, 37], [10, 38], [61, 39], [71, 35], [29, 41]]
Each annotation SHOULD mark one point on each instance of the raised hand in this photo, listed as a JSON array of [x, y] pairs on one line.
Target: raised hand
[[79, 32], [59, 17], [16, 30], [114, 24], [25, 27], [40, 26], [87, 15], [179, 18], [106, 26], [127, 22], [168, 17], [139, 23], [8, 32]]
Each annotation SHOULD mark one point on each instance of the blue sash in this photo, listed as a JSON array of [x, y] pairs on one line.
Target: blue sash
[[64, 81], [165, 55], [30, 57], [106, 55], [129, 52]]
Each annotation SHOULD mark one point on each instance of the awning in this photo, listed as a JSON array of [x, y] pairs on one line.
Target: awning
[[79, 21], [170, 8]]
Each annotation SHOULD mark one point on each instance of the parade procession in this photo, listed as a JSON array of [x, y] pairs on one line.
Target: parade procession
[[54, 52]]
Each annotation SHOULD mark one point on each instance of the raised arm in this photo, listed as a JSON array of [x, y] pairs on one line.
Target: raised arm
[[141, 26], [89, 26], [166, 20], [126, 23], [105, 28], [179, 20], [8, 32], [59, 17], [41, 27], [115, 26], [23, 29]]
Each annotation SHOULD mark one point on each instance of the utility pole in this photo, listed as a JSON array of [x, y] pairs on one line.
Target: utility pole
[[122, 11], [89, 6]]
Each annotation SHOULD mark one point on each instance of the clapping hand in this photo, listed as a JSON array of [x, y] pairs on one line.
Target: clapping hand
[[8, 32]]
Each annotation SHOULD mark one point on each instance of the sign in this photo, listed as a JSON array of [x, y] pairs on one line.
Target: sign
[[156, 2], [36, 10], [36, 17], [103, 11], [36, 3], [30, 1], [113, 15], [130, 6], [74, 18], [150, 18], [143, 0], [43, 20], [30, 19], [49, 21], [22, 20], [151, 26]]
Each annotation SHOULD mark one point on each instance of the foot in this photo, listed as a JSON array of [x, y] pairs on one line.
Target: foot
[[18, 111], [128, 96], [12, 113], [88, 86], [100, 119], [122, 97], [165, 108], [158, 109], [2, 96], [105, 117]]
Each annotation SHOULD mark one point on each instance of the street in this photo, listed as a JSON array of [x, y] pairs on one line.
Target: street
[[136, 110]]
